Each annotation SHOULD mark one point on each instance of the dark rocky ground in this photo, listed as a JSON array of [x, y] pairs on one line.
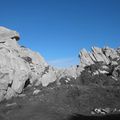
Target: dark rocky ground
[[73, 100], [60, 103]]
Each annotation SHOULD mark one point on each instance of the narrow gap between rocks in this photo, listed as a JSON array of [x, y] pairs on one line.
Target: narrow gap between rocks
[[27, 83]]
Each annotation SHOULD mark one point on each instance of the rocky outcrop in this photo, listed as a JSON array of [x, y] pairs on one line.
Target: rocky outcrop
[[101, 62], [106, 55], [18, 65]]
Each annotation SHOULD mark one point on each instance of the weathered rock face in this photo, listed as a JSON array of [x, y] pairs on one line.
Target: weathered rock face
[[101, 61], [6, 34], [17, 64], [106, 55]]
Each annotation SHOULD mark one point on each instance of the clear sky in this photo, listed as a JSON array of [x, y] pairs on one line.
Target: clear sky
[[58, 29]]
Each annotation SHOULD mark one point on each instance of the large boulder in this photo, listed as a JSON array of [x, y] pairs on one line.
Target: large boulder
[[36, 58], [99, 55], [48, 76], [85, 58], [70, 72], [111, 53]]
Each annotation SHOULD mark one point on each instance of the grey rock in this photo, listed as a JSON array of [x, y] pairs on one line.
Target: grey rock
[[36, 58], [118, 51], [111, 53], [47, 78], [106, 55], [10, 93], [2, 94], [6, 34], [15, 69], [3, 86], [102, 111], [67, 72], [99, 55], [36, 92], [85, 58], [20, 77], [116, 72]]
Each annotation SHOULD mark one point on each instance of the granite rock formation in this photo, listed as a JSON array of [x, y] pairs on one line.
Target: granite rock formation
[[21, 67], [106, 55]]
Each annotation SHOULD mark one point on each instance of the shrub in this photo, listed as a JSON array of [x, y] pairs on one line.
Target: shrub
[[86, 77]]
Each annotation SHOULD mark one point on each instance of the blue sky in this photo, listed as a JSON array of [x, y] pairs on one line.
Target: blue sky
[[58, 29]]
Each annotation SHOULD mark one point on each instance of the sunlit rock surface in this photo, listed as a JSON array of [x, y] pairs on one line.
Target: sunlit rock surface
[[17, 64], [106, 55]]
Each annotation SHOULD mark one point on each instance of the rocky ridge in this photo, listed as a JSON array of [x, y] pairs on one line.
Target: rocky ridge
[[106, 55], [20, 67]]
